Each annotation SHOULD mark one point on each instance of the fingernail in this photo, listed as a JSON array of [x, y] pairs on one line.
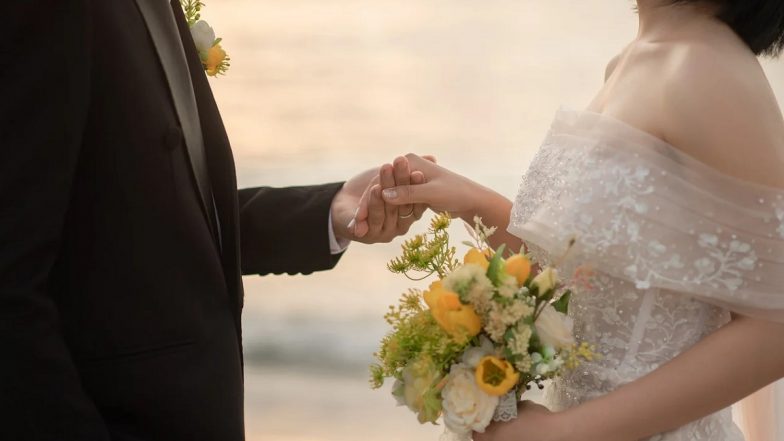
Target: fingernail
[[356, 212], [390, 193], [351, 224]]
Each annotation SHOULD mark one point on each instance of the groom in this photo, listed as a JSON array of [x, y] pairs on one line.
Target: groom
[[123, 236]]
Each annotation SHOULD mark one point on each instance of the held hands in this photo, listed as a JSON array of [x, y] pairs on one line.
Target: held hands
[[381, 204], [359, 212]]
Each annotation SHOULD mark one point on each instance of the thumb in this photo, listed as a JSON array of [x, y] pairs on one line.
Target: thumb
[[408, 194]]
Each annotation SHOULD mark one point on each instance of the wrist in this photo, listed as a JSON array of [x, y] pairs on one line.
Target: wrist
[[339, 218], [487, 204], [562, 427]]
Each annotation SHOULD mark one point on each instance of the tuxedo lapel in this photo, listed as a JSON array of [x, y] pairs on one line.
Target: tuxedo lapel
[[221, 166], [162, 28]]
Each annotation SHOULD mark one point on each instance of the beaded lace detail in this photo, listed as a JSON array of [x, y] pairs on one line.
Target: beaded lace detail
[[671, 245]]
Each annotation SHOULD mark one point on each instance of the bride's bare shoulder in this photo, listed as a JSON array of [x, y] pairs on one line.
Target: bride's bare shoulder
[[719, 107]]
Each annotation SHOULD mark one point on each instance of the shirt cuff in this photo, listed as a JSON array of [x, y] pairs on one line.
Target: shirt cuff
[[336, 246]]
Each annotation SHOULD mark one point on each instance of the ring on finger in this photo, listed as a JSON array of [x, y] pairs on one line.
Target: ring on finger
[[406, 216]]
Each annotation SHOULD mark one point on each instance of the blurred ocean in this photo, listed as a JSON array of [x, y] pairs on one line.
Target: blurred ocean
[[321, 89]]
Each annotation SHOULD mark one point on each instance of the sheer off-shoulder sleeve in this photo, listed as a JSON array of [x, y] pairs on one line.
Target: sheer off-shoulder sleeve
[[641, 210]]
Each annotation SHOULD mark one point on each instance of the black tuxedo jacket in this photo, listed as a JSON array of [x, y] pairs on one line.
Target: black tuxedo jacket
[[119, 309]]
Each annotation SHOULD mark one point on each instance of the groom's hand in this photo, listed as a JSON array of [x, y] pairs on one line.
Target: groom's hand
[[375, 216], [359, 212]]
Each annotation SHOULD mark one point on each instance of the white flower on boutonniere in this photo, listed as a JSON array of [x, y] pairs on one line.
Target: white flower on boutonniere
[[211, 54], [203, 37]]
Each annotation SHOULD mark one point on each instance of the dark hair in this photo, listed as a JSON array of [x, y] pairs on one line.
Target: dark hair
[[760, 23]]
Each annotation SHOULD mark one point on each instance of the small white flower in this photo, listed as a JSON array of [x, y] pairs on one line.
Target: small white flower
[[708, 240], [705, 266], [747, 263], [554, 329], [739, 247], [501, 317], [466, 407], [203, 36], [542, 368], [520, 340], [471, 282], [508, 287], [657, 247]]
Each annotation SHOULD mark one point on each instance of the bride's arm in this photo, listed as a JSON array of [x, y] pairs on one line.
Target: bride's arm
[[446, 191], [739, 132], [735, 361]]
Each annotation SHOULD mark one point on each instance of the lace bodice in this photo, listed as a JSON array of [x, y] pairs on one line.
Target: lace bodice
[[665, 248]]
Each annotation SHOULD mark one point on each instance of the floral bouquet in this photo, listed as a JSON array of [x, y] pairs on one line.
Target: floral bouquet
[[469, 346]]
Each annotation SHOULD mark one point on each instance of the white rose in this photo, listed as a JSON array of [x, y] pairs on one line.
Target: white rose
[[466, 407], [473, 355], [203, 36], [554, 329]]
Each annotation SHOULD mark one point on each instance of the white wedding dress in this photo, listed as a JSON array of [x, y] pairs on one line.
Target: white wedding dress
[[673, 244]]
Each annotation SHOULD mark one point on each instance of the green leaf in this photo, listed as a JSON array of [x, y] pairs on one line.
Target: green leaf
[[562, 304], [496, 268]]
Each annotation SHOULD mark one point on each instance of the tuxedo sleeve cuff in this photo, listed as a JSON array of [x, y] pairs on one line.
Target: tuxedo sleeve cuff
[[336, 246]]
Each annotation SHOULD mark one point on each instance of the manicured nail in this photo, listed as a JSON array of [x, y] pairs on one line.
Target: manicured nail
[[351, 224], [390, 193]]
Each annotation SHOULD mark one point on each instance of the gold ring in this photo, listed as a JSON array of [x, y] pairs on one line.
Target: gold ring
[[406, 216]]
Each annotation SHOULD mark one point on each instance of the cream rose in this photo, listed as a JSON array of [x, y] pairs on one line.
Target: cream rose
[[466, 407], [203, 36], [546, 280], [418, 380], [554, 329]]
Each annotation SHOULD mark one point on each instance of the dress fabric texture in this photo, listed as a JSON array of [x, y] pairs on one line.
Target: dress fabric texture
[[665, 247]]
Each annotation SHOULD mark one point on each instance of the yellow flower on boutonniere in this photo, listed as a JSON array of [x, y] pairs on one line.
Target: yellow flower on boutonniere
[[211, 54]]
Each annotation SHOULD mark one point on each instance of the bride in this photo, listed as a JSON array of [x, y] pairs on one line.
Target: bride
[[672, 183]]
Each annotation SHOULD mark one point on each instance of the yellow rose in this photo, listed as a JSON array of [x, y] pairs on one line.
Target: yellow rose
[[215, 56], [496, 376], [546, 280], [477, 257], [458, 320], [519, 267]]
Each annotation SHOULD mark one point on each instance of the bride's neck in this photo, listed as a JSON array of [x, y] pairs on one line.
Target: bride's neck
[[660, 19]]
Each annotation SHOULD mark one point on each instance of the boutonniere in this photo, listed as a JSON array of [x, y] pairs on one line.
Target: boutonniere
[[213, 57]]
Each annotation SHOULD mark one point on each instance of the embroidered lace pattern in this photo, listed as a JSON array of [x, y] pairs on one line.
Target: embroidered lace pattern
[[672, 247]]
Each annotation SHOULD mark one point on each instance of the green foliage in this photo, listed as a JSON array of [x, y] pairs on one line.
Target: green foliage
[[495, 271], [428, 253], [415, 335], [192, 10], [562, 304]]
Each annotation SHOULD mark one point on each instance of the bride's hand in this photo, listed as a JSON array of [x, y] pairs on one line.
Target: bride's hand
[[533, 423], [444, 190], [376, 221]]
